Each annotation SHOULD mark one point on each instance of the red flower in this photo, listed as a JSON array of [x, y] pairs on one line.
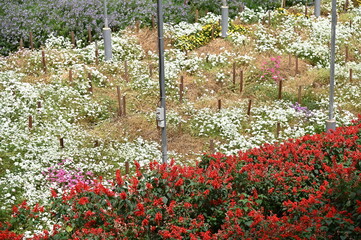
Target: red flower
[[54, 194], [145, 222], [179, 182], [83, 200], [119, 178], [123, 195], [158, 217], [140, 210]]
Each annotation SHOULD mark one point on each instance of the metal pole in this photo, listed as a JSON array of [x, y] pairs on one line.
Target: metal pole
[[331, 122], [107, 35], [161, 112], [224, 19], [317, 8]]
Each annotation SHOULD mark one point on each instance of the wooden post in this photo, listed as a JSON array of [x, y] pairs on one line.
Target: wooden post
[[43, 60], [280, 90], [181, 88], [346, 5], [153, 22], [278, 130], [211, 146], [180, 128], [269, 18], [219, 104], [96, 53], [296, 65], [346, 54], [289, 60], [30, 123], [137, 26], [249, 107], [234, 74], [90, 83], [150, 70], [61, 140], [241, 81], [70, 75], [39, 104], [124, 106], [306, 9], [90, 38], [197, 15], [350, 23], [212, 32], [126, 70], [126, 167], [21, 44], [72, 39], [299, 97], [119, 102], [351, 74], [31, 40]]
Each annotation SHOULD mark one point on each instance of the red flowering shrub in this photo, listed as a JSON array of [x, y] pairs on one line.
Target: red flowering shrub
[[307, 188]]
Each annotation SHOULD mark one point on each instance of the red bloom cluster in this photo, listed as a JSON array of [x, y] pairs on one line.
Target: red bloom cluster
[[308, 188]]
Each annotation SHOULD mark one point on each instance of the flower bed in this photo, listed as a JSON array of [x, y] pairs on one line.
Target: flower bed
[[307, 188]]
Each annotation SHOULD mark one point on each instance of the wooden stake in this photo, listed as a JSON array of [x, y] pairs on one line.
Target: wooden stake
[[72, 38], [181, 88], [249, 107], [153, 22], [289, 60], [211, 146], [219, 104], [126, 167], [234, 74], [299, 97], [241, 81], [351, 74], [39, 104], [180, 128], [283, 3], [350, 23], [96, 143], [119, 102], [150, 70], [90, 38], [197, 15], [43, 60], [30, 122], [61, 140], [124, 107], [296, 65], [137, 26], [70, 75], [31, 40], [280, 90], [306, 10], [21, 44], [212, 32], [269, 18], [346, 54], [126, 70], [90, 83], [96, 53], [278, 130]]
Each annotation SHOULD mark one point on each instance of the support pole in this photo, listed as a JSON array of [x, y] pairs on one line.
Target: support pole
[[224, 22], [162, 119], [107, 35], [331, 122], [317, 8]]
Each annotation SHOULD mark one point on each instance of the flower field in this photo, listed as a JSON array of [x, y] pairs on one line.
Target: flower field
[[70, 122]]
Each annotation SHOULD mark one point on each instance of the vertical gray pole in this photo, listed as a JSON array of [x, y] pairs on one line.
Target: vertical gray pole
[[331, 122], [162, 79], [107, 35], [224, 19], [317, 8]]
